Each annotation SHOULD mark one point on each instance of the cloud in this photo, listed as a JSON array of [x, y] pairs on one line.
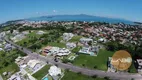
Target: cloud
[[54, 11]]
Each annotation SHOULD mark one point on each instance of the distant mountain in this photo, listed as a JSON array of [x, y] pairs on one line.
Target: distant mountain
[[81, 17]]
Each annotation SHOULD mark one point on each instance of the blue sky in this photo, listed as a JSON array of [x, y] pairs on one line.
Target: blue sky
[[19, 9]]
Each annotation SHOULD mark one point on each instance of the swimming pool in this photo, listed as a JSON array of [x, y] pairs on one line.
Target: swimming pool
[[46, 78]]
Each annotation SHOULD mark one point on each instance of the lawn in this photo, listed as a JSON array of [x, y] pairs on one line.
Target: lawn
[[76, 49], [132, 69], [75, 39], [99, 62], [41, 73], [75, 76], [29, 39], [61, 45]]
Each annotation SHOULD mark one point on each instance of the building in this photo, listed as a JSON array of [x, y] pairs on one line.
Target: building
[[8, 47], [93, 51], [139, 65], [55, 51], [86, 40], [110, 66], [67, 36], [54, 71], [1, 49], [40, 32], [70, 45], [34, 64], [18, 37]]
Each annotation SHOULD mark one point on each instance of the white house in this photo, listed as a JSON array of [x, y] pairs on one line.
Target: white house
[[85, 40], [90, 50], [56, 51], [0, 44], [2, 34], [15, 77], [1, 49], [67, 36], [18, 37], [8, 47], [40, 32], [139, 67], [54, 71], [15, 32], [70, 45], [34, 64], [102, 40]]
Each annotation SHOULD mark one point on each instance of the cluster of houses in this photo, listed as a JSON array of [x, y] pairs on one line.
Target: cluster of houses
[[114, 33], [67, 36], [28, 66], [56, 51], [16, 36]]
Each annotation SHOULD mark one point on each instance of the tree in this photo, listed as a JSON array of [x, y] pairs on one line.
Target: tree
[[95, 67], [106, 78], [94, 76], [11, 31]]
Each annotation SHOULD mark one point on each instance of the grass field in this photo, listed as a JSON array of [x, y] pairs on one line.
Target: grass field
[[61, 45], [29, 37], [74, 76], [41, 73], [75, 39], [100, 61]]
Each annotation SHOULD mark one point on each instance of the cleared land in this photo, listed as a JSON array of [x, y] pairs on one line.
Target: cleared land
[[97, 62]]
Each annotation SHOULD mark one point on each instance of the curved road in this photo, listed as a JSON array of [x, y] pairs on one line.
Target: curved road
[[89, 72]]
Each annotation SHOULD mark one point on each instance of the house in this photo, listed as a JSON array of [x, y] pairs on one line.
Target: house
[[40, 32], [139, 65], [21, 61], [1, 49], [15, 32], [15, 77], [93, 50], [2, 34], [111, 68], [55, 51], [34, 64], [18, 37], [102, 40], [25, 32], [54, 71], [86, 40], [0, 44], [67, 36], [70, 45], [8, 47]]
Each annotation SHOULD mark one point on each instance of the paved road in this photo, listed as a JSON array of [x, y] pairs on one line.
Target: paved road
[[89, 72], [1, 77]]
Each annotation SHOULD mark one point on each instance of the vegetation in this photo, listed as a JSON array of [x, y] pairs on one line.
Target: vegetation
[[41, 73], [61, 45], [76, 49], [13, 67], [7, 58], [78, 76], [75, 39], [132, 69], [94, 62]]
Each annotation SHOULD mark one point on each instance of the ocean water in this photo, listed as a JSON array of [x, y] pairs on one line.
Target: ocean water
[[80, 18]]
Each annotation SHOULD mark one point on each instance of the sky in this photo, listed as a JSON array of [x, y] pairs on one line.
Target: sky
[[20, 9]]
